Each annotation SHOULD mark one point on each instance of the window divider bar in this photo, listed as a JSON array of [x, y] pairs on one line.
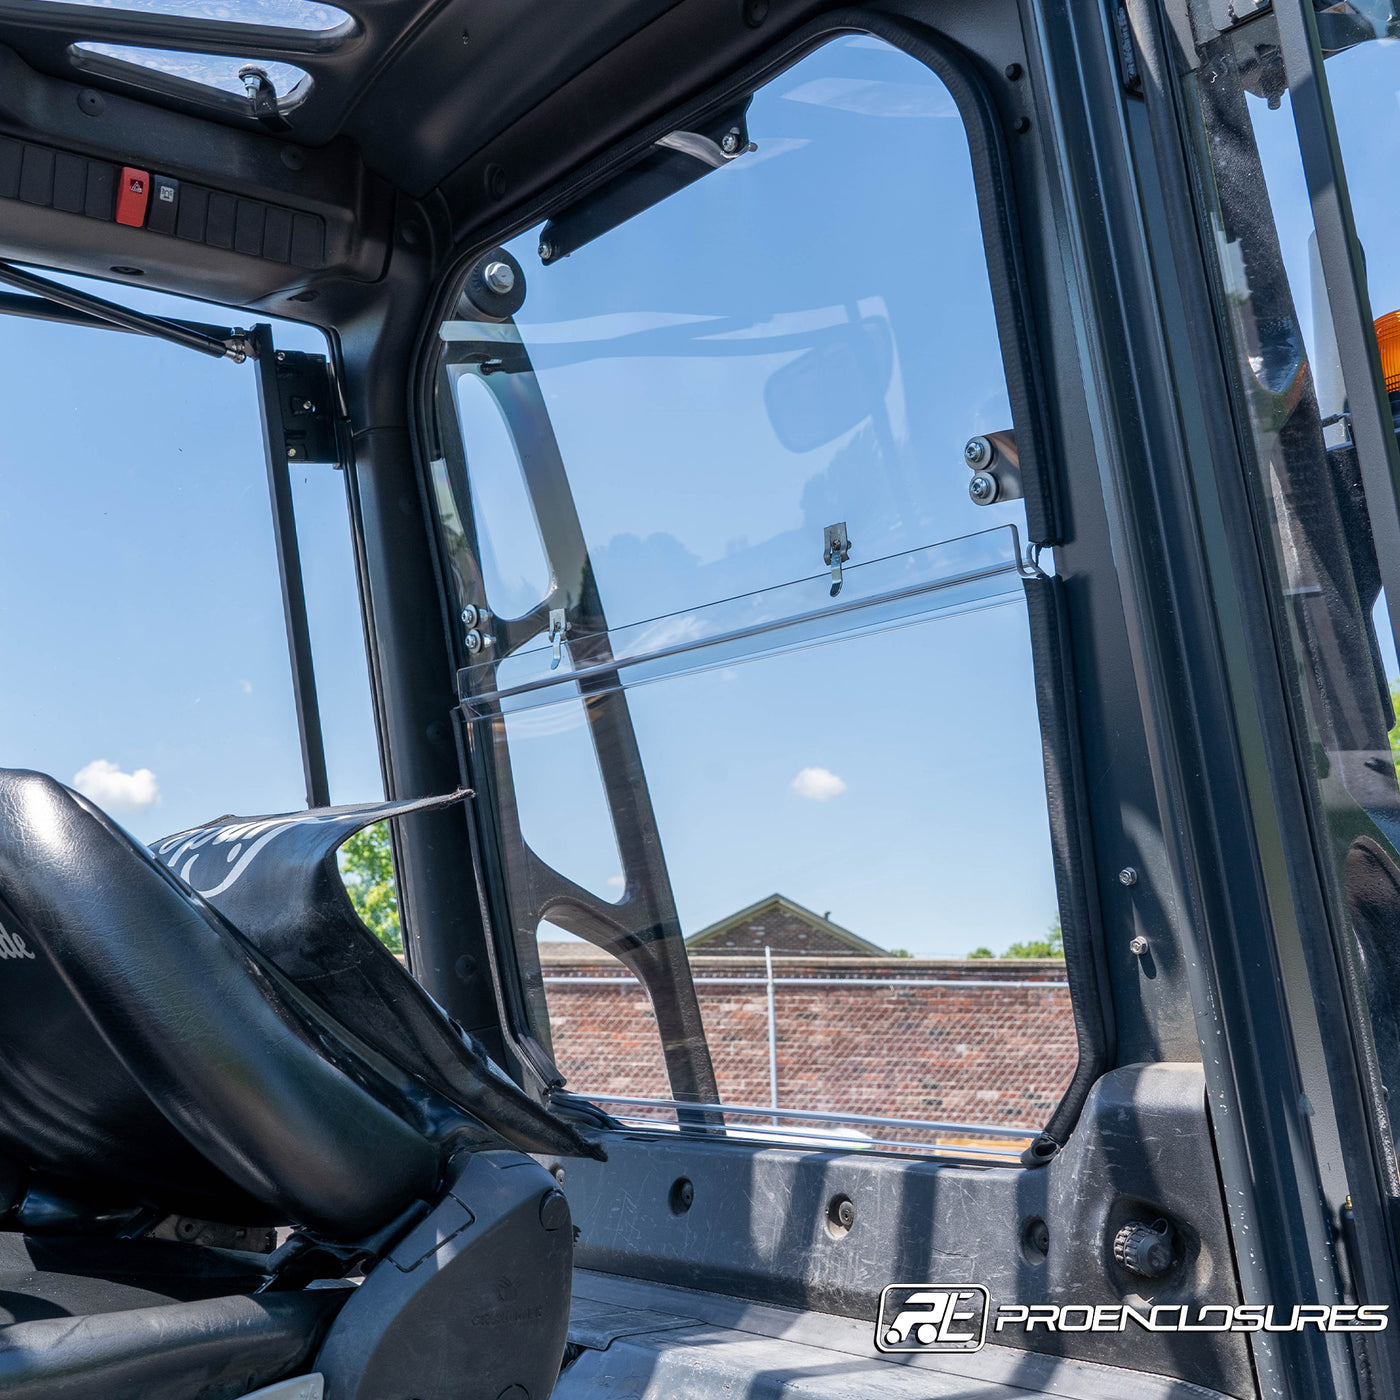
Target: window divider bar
[[1339, 251], [313, 751]]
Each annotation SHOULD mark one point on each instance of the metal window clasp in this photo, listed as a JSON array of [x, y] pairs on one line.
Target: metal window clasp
[[558, 625], [836, 550]]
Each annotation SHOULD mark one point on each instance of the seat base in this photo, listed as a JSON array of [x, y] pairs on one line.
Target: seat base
[[85, 1319]]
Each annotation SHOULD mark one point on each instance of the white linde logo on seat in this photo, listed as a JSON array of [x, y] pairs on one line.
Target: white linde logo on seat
[[12, 945]]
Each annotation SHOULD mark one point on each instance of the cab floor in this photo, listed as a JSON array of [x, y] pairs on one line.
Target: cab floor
[[636, 1340]]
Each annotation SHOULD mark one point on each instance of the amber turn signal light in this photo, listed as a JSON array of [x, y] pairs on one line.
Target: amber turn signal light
[[1388, 336]]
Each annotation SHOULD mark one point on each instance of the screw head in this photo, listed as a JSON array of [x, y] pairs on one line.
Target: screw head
[[1127, 876], [982, 488], [730, 144], [500, 277], [977, 450], [469, 615], [546, 251], [1138, 945], [291, 452], [473, 641]]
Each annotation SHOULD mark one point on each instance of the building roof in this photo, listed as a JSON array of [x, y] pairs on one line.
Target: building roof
[[783, 925]]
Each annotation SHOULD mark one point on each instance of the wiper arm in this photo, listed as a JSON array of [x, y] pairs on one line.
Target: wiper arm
[[236, 346]]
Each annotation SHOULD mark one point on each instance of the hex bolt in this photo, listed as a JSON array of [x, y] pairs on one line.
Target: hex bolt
[[500, 277], [1138, 945], [1127, 876]]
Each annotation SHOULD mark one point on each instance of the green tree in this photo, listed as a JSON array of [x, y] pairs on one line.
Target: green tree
[[367, 867], [1052, 946], [1395, 733]]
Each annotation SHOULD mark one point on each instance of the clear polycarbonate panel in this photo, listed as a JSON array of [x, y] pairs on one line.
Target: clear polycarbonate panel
[[209, 70], [918, 585], [273, 14], [684, 736]]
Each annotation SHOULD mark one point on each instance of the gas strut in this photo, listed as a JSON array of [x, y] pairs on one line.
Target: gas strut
[[236, 345]]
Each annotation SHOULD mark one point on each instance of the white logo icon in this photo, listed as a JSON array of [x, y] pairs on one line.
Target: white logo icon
[[932, 1317], [12, 945]]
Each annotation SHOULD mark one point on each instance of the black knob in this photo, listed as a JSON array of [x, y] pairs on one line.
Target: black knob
[[1145, 1250]]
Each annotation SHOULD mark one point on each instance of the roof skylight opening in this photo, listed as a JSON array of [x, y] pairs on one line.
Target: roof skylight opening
[[210, 70], [309, 16]]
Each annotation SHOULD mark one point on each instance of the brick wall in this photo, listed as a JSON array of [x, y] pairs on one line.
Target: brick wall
[[990, 1055]]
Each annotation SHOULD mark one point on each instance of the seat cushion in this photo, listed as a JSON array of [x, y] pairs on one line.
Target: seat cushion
[[215, 1349]]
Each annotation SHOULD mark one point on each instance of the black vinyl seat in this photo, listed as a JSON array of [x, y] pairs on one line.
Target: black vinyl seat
[[160, 1059]]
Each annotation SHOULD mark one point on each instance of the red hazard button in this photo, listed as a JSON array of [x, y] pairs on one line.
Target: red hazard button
[[133, 194]]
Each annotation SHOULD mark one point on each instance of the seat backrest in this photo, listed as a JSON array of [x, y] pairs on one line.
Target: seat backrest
[[277, 881], [149, 1048]]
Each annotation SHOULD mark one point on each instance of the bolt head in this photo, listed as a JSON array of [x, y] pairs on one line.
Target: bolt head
[[977, 450], [982, 488], [1127, 876], [546, 251], [473, 641], [730, 144], [500, 277], [469, 614], [1138, 945]]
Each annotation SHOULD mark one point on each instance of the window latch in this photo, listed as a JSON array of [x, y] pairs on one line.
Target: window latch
[[837, 549], [558, 625]]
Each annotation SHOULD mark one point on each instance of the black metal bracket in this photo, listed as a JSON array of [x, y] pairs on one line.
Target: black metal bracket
[[305, 394]]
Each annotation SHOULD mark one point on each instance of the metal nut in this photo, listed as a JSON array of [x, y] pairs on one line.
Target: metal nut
[[500, 277], [1138, 945], [1127, 876]]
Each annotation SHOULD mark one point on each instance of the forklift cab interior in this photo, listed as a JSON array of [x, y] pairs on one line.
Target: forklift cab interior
[[927, 459]]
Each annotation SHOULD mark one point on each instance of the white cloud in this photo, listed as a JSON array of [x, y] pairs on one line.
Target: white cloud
[[616, 881], [115, 791], [818, 785]]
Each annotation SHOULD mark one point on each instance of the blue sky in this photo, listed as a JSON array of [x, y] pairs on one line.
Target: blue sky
[[143, 628], [894, 779]]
